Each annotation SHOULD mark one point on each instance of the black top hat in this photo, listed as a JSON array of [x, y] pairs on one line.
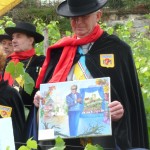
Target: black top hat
[[5, 36], [72, 8], [27, 28]]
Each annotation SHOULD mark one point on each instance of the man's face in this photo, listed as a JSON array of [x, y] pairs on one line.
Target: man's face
[[22, 42], [84, 25], [7, 46], [73, 89]]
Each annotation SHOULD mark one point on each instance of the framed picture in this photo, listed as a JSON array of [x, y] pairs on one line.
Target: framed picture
[[75, 109]]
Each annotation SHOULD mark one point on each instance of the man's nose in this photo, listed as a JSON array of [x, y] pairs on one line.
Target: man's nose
[[5, 46], [13, 40]]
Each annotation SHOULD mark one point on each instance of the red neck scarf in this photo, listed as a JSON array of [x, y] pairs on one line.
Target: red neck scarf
[[0, 77], [65, 62], [16, 57]]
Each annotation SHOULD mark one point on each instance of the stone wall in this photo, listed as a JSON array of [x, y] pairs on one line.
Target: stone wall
[[140, 22]]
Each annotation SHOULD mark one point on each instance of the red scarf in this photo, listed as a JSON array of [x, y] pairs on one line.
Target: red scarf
[[66, 60], [0, 77], [16, 57]]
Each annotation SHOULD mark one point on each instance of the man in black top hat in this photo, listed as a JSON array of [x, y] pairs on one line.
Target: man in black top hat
[[6, 42], [24, 36], [105, 56]]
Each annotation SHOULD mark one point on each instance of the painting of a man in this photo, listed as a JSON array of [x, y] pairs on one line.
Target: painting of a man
[[75, 106]]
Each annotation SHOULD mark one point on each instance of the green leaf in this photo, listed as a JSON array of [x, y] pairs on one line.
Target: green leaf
[[90, 147], [10, 68], [59, 144], [32, 144], [15, 69], [99, 147], [19, 67], [8, 148], [28, 83], [93, 147], [24, 148]]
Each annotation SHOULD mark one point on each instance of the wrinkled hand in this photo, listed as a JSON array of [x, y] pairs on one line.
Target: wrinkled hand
[[116, 110], [37, 99]]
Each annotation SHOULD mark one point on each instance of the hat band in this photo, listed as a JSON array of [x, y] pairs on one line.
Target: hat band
[[85, 7]]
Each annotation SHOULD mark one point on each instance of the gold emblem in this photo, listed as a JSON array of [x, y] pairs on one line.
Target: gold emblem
[[107, 60], [5, 111]]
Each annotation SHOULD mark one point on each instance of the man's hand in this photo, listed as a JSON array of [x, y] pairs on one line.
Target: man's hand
[[79, 100], [116, 110], [37, 99]]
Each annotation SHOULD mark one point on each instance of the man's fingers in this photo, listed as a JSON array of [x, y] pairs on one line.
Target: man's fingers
[[116, 110], [37, 98]]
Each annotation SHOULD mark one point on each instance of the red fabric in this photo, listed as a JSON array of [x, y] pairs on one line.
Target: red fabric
[[0, 76], [65, 62], [16, 57]]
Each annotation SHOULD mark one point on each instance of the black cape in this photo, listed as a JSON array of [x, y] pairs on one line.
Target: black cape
[[131, 131], [11, 98]]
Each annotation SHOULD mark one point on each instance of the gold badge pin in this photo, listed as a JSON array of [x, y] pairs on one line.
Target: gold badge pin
[[5, 111], [107, 60]]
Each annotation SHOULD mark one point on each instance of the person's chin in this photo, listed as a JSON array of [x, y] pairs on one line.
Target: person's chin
[[17, 50], [8, 53], [81, 34], [5, 52]]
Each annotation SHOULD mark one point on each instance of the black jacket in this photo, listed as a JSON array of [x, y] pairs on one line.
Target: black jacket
[[11, 98], [131, 130]]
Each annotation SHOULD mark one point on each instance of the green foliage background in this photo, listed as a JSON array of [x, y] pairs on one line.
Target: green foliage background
[[139, 43], [30, 9]]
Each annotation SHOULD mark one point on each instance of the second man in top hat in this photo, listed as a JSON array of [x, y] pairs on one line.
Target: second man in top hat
[[24, 36]]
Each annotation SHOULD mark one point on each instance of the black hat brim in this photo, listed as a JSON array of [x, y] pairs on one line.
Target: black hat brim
[[37, 37], [63, 9]]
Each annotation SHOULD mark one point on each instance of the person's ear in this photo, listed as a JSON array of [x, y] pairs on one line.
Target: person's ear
[[99, 15], [32, 40]]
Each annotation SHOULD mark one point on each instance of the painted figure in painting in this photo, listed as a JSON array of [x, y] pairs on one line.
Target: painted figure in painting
[[75, 106]]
